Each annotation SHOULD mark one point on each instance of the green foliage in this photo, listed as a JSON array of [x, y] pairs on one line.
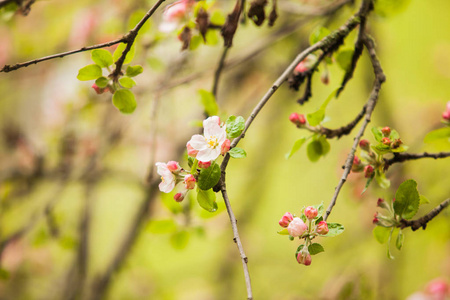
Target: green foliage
[[102, 82], [316, 117], [283, 231], [407, 200], [162, 226], [180, 239], [438, 134], [124, 101], [102, 57], [381, 234], [209, 177], [297, 145], [317, 148], [234, 126], [89, 72], [400, 240], [237, 153], [196, 41], [318, 34], [334, 229], [381, 179], [133, 71], [127, 82], [209, 102], [315, 248], [207, 200], [217, 17]]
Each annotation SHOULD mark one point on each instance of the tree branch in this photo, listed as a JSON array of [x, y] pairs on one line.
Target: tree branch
[[402, 157], [422, 222], [344, 130]]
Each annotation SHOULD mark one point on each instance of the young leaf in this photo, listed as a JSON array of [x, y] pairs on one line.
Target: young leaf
[[334, 229], [119, 50], [102, 57], [316, 117], [102, 82], [320, 209], [217, 17], [297, 145], [235, 126], [381, 234], [90, 72], [162, 226], [283, 231], [127, 82], [314, 150], [180, 239], [124, 101], [423, 200], [381, 179], [369, 180], [377, 134], [315, 249], [196, 40], [209, 177], [134, 70], [438, 134], [344, 59], [407, 200], [318, 34], [207, 200], [237, 153], [400, 240], [325, 145], [389, 244], [209, 102]]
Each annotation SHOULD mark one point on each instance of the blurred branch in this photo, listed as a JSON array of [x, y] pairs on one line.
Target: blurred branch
[[371, 102], [218, 71], [402, 157], [295, 8], [128, 39], [24, 6], [422, 222]]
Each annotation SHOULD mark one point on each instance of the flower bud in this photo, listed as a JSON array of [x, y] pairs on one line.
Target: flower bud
[[301, 67], [285, 220], [364, 145], [368, 171], [446, 115], [322, 228], [179, 197], [304, 259], [97, 89], [225, 147], [386, 141], [386, 131], [375, 219], [325, 77], [204, 165], [297, 119], [173, 166], [311, 212], [191, 151], [297, 227], [380, 202], [357, 165], [438, 289], [396, 143], [189, 181]]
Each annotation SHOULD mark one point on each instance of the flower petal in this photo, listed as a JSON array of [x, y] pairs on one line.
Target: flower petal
[[198, 142]]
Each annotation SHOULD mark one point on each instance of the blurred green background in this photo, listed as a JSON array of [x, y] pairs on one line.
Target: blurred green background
[[67, 156]]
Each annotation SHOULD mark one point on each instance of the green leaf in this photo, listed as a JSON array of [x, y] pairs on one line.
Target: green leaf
[[283, 231], [217, 17], [389, 244], [438, 134], [400, 240], [212, 37], [320, 209], [180, 239], [196, 40], [316, 117], [234, 126], [134, 70], [102, 57], [297, 145], [407, 200], [315, 248], [377, 134], [318, 34], [209, 177], [209, 102], [102, 82], [381, 149], [207, 200], [127, 82], [381, 179], [299, 248], [237, 153], [402, 148], [314, 150], [394, 135], [423, 200], [89, 72], [124, 101], [344, 59], [381, 234], [325, 145], [119, 50], [162, 226], [334, 229], [135, 18], [369, 180]]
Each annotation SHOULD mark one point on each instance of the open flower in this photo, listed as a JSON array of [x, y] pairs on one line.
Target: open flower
[[209, 145], [168, 179]]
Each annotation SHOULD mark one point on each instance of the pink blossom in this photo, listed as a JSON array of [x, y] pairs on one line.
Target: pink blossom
[[322, 228], [191, 151], [168, 179], [304, 258], [174, 14], [173, 166], [179, 197], [297, 227], [209, 145], [225, 147], [189, 181], [204, 165], [297, 119], [286, 219], [439, 289], [386, 131], [311, 212]]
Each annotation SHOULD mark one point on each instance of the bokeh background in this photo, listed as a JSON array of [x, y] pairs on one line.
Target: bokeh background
[[73, 169]]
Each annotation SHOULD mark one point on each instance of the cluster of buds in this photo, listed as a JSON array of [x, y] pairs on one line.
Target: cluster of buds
[[298, 119], [171, 174], [388, 141], [446, 113], [388, 219], [298, 227], [369, 160]]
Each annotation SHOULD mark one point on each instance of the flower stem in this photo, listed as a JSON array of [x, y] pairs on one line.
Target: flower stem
[[194, 166]]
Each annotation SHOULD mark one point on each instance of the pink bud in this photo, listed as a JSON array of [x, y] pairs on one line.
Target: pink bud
[[178, 197], [386, 141], [357, 165], [191, 151], [439, 289], [286, 219], [97, 89], [311, 212], [296, 227], [386, 131], [173, 166], [189, 181], [368, 171], [176, 10], [396, 143], [304, 259], [380, 202], [322, 228], [225, 147], [375, 219], [204, 165], [364, 145], [446, 115], [301, 67], [297, 119]]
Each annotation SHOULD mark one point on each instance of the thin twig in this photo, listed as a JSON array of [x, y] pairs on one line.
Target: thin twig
[[218, 71], [128, 39], [401, 157], [422, 222], [371, 102], [344, 130]]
